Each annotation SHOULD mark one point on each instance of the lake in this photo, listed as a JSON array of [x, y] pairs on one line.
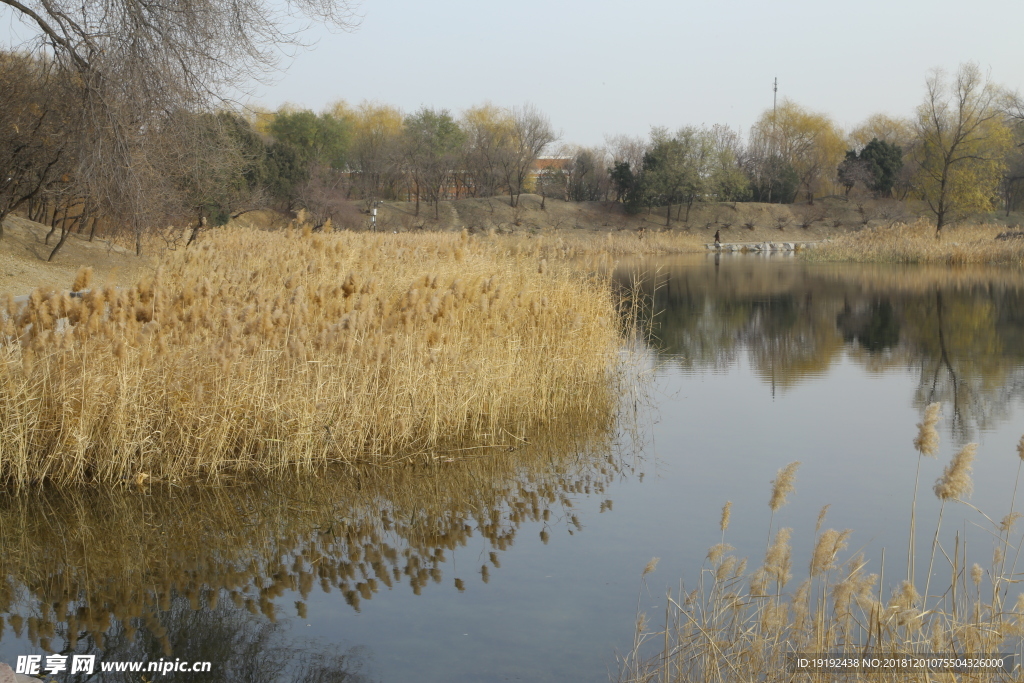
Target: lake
[[525, 564]]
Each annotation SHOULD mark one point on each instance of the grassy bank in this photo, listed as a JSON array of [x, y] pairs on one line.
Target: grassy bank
[[254, 351], [736, 625], [917, 243]]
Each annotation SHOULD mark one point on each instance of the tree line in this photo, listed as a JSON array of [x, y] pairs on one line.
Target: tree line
[[74, 163], [962, 152], [111, 111]]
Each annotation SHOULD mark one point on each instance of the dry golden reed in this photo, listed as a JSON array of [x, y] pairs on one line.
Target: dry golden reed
[[927, 441], [782, 485], [253, 351], [917, 243], [830, 543], [955, 482], [720, 632]]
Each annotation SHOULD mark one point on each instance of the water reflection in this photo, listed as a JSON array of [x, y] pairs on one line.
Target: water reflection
[[239, 647], [140, 574], [960, 331]]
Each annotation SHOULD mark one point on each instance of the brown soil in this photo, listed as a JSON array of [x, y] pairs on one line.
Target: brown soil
[[23, 265]]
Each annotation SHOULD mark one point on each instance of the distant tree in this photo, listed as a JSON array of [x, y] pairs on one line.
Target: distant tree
[[433, 141], [627, 162], [285, 171], [963, 143], [725, 180], [1012, 184], [622, 179], [855, 170], [321, 139], [487, 131], [552, 183], [893, 130], [772, 179], [527, 136], [674, 168], [627, 149], [807, 143], [377, 150], [586, 177], [886, 162]]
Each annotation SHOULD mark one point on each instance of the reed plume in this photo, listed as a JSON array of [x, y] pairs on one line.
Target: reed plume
[[927, 444], [782, 486], [723, 523], [954, 484]]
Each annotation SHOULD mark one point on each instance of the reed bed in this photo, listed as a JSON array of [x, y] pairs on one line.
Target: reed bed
[[740, 625], [255, 351], [917, 243]]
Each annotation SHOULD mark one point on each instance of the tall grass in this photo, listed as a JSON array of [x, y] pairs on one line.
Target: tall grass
[[740, 626], [917, 243], [255, 351]]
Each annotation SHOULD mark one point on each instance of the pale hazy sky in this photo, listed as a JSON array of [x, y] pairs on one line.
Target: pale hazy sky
[[598, 67]]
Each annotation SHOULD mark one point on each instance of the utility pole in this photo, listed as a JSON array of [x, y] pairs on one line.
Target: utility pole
[[775, 96]]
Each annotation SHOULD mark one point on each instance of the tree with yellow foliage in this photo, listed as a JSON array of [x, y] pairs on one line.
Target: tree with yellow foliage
[[893, 130], [488, 130], [810, 143], [963, 141], [376, 148]]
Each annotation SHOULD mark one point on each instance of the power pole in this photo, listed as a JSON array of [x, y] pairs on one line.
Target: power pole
[[775, 95]]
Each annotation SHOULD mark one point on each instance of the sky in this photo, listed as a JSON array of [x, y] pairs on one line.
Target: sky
[[600, 68]]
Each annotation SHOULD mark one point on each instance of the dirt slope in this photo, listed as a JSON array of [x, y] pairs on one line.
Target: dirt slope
[[23, 264]]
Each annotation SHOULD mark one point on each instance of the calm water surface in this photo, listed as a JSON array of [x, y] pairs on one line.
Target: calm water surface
[[525, 566]]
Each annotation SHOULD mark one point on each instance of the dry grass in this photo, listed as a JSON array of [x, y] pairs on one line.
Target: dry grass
[[917, 243], [740, 626], [255, 351]]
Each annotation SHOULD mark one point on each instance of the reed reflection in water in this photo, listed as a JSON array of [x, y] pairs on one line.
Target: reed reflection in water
[[166, 571]]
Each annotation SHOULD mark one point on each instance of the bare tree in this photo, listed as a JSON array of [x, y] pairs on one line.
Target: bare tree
[[628, 149], [34, 128], [528, 135], [134, 60], [487, 131]]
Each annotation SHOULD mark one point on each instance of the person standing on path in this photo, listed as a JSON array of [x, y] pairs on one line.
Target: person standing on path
[[718, 238]]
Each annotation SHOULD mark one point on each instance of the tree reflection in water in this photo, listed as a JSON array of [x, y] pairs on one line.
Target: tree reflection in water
[[960, 330]]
